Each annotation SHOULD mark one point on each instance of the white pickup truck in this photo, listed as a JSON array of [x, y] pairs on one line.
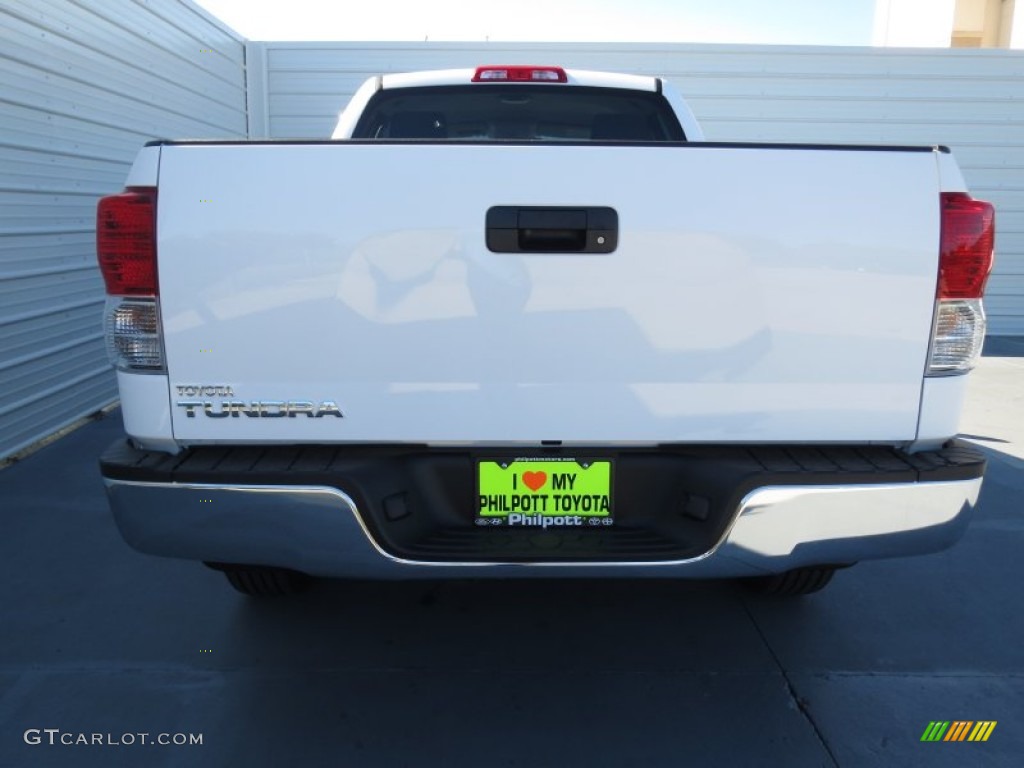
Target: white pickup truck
[[525, 321]]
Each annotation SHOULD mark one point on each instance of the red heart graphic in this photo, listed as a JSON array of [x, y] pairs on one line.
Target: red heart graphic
[[535, 480]]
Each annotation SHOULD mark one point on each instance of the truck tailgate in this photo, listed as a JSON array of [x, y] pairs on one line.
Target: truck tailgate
[[755, 294]]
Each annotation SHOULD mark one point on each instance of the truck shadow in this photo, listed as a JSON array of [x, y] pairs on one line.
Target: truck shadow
[[505, 673]]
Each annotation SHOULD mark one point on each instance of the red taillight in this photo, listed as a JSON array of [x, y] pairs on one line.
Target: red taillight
[[519, 74], [126, 242], [965, 247]]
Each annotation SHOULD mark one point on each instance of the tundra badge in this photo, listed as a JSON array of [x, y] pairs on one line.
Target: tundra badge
[[221, 409]]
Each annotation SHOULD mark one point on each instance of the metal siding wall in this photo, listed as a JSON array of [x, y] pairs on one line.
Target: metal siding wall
[[970, 100], [83, 85]]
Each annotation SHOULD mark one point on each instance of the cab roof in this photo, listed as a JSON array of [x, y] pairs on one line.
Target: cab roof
[[572, 77]]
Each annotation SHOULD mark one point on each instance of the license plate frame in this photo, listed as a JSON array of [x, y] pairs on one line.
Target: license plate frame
[[544, 492]]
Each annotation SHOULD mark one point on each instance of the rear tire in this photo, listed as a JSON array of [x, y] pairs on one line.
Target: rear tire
[[799, 581], [260, 581]]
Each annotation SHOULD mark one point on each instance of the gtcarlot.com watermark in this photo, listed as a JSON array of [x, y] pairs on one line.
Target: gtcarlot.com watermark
[[56, 737]]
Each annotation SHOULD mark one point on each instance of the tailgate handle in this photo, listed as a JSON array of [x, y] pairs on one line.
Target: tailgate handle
[[532, 229]]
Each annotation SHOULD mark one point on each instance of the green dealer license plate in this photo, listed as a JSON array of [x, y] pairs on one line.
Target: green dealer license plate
[[544, 493]]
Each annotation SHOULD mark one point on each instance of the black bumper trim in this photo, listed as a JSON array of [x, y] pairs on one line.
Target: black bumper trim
[[672, 502]]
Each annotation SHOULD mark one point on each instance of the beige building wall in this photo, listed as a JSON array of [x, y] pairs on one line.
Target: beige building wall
[[948, 24], [983, 23]]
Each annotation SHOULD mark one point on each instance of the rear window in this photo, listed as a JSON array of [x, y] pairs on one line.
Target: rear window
[[519, 113]]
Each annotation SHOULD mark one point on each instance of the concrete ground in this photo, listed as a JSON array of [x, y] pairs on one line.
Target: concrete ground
[[994, 412], [100, 639]]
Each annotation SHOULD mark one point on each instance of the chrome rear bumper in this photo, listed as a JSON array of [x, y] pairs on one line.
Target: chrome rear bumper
[[319, 530]]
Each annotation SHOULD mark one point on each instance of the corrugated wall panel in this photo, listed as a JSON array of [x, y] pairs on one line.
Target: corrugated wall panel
[[972, 101], [82, 86]]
